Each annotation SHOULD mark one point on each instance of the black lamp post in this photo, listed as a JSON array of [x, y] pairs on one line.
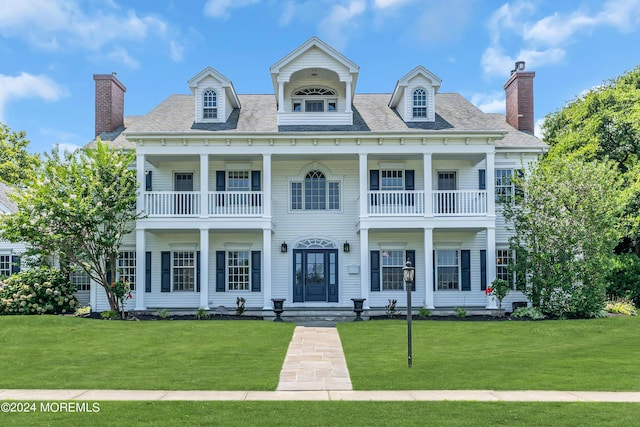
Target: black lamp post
[[409, 273]]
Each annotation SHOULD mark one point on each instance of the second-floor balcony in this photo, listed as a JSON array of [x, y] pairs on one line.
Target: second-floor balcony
[[188, 203]]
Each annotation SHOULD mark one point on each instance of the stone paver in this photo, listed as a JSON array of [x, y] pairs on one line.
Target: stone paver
[[314, 361]]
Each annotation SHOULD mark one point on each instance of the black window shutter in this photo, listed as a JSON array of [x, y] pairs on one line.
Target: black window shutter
[[374, 180], [465, 258], [411, 256], [409, 180], [375, 271], [434, 270], [482, 179], [165, 271], [15, 264], [149, 180], [521, 278], [256, 271], [483, 270], [220, 276], [220, 181], [108, 268], [147, 272], [255, 181], [197, 271], [519, 192]]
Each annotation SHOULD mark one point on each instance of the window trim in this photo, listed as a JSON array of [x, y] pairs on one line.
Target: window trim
[[300, 181], [418, 105], [7, 263], [390, 248], [227, 250], [173, 267], [212, 109], [119, 273]]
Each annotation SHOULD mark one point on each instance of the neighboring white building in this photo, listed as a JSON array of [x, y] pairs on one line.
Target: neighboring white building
[[9, 252], [316, 193]]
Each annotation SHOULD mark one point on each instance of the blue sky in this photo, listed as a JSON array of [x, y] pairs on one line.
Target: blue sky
[[51, 48]]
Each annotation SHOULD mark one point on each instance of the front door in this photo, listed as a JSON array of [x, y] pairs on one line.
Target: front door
[[315, 275], [446, 202], [183, 182]]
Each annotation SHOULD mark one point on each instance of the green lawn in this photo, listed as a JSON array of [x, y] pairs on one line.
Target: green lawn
[[339, 414], [600, 354], [66, 352]]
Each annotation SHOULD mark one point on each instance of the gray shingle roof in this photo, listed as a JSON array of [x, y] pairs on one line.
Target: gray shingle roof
[[4, 199], [371, 114]]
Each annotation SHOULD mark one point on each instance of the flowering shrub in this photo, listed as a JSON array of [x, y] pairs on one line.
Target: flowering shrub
[[499, 288], [39, 290]]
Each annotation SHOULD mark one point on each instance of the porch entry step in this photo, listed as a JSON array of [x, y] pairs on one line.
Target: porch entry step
[[314, 361]]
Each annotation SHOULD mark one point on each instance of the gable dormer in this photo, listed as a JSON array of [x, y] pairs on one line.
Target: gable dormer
[[215, 97], [414, 95], [314, 85]]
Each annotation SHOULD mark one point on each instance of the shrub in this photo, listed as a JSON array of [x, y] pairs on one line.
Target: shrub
[[201, 314], [110, 315], [424, 312], [532, 313], [460, 312], [38, 290], [163, 314], [621, 306], [83, 311], [624, 278], [390, 309], [240, 306]]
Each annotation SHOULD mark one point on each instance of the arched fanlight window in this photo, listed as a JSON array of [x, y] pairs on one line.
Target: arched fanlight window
[[420, 103], [314, 100], [209, 104], [314, 91]]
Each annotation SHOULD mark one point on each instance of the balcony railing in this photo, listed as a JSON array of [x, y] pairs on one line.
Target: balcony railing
[[460, 202], [395, 202], [172, 203], [235, 203]]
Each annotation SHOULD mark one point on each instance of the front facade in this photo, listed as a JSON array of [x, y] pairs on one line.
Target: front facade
[[317, 194]]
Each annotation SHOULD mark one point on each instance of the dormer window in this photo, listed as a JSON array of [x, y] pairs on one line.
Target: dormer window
[[419, 103], [314, 100], [209, 104]]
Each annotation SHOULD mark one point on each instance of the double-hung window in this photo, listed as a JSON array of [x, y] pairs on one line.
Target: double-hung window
[[419, 103], [184, 270], [80, 279], [448, 269], [5, 265], [238, 270], [504, 186], [209, 104], [127, 268], [392, 275], [315, 192]]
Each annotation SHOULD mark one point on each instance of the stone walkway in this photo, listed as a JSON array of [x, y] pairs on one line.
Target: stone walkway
[[314, 361]]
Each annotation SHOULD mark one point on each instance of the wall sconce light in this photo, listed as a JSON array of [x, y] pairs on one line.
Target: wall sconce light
[[346, 247], [283, 247]]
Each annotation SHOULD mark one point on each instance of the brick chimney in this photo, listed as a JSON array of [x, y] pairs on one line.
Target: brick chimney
[[109, 103], [519, 95]]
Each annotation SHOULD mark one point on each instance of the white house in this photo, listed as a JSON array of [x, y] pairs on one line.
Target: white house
[[9, 252], [316, 193]]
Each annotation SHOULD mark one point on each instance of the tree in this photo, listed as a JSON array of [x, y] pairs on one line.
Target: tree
[[566, 228], [79, 206], [16, 164], [604, 124]]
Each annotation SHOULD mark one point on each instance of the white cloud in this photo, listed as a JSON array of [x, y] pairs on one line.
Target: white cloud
[[537, 128], [120, 55], [489, 102], [177, 51], [384, 4], [222, 8], [544, 41], [60, 24], [340, 17], [28, 86]]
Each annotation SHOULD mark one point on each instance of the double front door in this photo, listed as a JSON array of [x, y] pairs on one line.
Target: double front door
[[315, 275]]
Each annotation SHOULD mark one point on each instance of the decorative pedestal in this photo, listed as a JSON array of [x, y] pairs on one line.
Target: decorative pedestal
[[358, 308], [278, 308]]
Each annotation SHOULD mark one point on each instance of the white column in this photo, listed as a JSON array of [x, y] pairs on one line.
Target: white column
[[266, 185], [428, 267], [347, 108], [204, 268], [364, 266], [491, 263], [363, 185], [141, 178], [266, 268], [204, 185], [141, 268], [280, 97], [490, 181], [428, 185]]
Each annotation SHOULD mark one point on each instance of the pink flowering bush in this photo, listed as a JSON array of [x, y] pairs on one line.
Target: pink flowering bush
[[39, 290]]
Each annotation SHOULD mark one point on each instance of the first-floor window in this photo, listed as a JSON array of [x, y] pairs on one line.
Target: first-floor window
[[392, 274], [80, 279], [127, 268], [238, 270], [447, 267], [5, 265], [184, 271]]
